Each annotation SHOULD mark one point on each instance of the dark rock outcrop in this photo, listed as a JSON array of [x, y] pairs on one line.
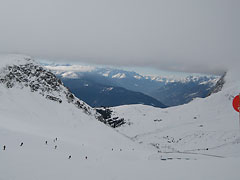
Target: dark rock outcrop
[[40, 80], [108, 117]]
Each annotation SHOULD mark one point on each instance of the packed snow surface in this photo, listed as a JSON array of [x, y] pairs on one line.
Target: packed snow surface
[[205, 127], [85, 148]]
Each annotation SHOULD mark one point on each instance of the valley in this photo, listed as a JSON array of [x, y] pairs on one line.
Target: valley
[[152, 142]]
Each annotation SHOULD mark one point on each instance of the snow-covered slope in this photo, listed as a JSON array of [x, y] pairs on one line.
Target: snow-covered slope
[[35, 109], [205, 127], [34, 101]]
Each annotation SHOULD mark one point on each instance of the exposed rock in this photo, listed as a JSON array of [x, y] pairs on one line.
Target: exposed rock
[[219, 85], [40, 80], [108, 117], [54, 98]]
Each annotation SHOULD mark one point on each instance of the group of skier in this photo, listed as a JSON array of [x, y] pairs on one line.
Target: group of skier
[[46, 142]]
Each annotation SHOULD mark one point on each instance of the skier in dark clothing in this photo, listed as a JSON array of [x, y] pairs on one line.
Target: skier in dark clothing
[[45, 142], [69, 157], [55, 147], [86, 157], [4, 147], [21, 144]]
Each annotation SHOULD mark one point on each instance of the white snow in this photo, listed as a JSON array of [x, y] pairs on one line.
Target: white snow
[[30, 118], [10, 59], [70, 74], [137, 77], [192, 78], [106, 74], [119, 75], [206, 126], [108, 89]]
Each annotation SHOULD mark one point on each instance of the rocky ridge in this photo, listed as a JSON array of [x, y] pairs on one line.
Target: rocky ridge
[[29, 74]]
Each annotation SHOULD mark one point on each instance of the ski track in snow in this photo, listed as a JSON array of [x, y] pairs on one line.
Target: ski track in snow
[[172, 147]]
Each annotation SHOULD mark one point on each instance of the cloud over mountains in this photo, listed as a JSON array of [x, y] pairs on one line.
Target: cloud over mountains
[[72, 68], [188, 35]]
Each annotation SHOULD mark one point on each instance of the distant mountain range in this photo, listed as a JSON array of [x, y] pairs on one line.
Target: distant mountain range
[[97, 95], [113, 87]]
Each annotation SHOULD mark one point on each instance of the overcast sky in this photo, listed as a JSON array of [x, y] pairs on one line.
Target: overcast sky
[[181, 35]]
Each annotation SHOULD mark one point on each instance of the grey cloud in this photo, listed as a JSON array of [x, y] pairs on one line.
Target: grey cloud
[[187, 35]]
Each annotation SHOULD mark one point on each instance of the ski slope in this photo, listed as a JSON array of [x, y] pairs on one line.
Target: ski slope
[[204, 128], [29, 117]]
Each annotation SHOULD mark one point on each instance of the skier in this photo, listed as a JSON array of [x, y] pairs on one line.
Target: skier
[[21, 144], [86, 157], [55, 147], [69, 157], [4, 147], [45, 142]]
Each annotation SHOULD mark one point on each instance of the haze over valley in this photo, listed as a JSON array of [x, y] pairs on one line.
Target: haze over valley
[[119, 90]]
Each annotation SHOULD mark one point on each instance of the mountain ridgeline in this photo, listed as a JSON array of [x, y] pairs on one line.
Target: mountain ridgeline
[[97, 95], [113, 87], [30, 75], [40, 80]]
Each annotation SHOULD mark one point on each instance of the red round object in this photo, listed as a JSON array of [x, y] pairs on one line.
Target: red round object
[[236, 103]]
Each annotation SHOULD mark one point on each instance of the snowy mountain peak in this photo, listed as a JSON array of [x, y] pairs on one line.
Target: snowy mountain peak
[[16, 59], [24, 72], [119, 75], [75, 71], [203, 79]]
